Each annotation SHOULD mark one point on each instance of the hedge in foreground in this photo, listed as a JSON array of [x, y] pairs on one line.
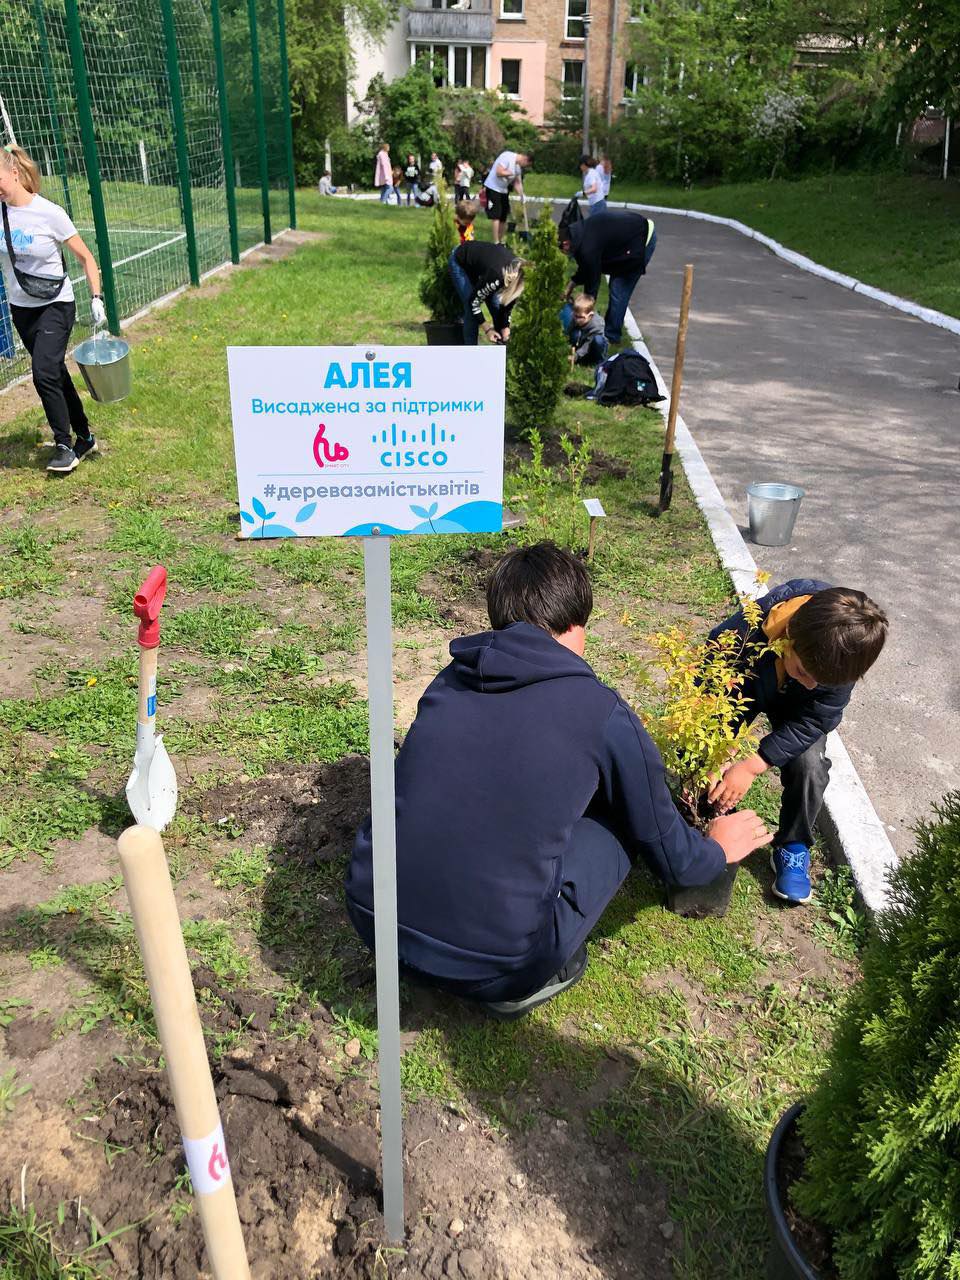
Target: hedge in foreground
[[883, 1127]]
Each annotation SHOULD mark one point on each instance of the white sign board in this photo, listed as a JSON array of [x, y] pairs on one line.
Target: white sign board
[[594, 507], [344, 440]]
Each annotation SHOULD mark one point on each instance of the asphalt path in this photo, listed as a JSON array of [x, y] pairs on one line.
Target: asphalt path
[[790, 378]]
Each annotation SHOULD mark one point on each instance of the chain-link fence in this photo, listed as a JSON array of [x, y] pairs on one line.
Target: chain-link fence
[[161, 126]]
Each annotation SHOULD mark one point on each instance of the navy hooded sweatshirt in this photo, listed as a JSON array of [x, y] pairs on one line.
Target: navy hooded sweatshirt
[[798, 716], [512, 742]]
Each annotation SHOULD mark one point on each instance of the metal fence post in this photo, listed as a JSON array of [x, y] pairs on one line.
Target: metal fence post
[[52, 99], [91, 160], [261, 123], [287, 118], [180, 136], [225, 134]]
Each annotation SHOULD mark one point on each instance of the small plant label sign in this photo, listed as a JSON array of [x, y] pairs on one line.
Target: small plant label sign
[[594, 507], [342, 441]]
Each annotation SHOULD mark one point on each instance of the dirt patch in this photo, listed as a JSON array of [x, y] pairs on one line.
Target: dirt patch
[[310, 812], [460, 590], [600, 466], [304, 1152]]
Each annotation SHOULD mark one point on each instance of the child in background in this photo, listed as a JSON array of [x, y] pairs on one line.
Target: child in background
[[829, 638], [584, 329], [326, 186], [466, 214], [462, 177]]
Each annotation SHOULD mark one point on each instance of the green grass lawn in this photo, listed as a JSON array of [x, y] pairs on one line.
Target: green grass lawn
[[895, 232], [716, 1024]]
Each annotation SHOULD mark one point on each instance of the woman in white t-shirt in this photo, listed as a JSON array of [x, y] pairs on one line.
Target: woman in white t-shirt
[[36, 230], [505, 172], [593, 185]]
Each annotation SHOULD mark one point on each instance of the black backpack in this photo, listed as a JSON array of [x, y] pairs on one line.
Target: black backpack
[[626, 378]]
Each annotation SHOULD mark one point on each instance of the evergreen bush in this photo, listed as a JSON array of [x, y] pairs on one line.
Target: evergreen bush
[[436, 285], [883, 1127], [537, 357]]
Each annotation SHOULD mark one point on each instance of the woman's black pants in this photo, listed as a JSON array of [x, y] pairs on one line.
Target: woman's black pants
[[45, 332]]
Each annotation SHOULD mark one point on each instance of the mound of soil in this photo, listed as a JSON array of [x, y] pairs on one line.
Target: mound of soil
[[303, 1146]]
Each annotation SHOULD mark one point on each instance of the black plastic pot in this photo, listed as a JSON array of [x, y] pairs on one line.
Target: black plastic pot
[[784, 1261], [703, 900], [443, 333]]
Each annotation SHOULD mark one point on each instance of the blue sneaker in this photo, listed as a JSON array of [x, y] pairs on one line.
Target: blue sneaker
[[791, 867]]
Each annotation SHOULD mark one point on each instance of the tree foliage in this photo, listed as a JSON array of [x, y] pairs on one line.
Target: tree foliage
[[537, 359], [883, 1127], [436, 286], [699, 723]]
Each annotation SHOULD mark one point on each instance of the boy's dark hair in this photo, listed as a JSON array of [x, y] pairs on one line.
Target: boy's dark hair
[[838, 635], [543, 585], [588, 160]]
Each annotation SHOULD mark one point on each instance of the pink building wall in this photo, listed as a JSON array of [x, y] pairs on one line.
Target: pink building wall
[[532, 55]]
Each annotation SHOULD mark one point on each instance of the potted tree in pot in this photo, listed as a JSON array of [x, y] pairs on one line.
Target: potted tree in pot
[[445, 325], [877, 1147], [699, 727]]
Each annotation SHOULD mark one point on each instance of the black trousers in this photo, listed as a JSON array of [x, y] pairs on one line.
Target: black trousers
[[45, 332], [804, 782]]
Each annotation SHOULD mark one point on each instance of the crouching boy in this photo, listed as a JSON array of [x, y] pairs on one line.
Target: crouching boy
[[584, 330], [524, 791], [831, 636]]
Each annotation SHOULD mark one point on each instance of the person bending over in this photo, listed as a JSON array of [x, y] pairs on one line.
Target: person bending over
[[525, 789], [490, 273], [830, 637], [506, 172], [618, 243]]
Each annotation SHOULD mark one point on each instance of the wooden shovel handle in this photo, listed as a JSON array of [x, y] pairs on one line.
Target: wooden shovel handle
[[677, 379]]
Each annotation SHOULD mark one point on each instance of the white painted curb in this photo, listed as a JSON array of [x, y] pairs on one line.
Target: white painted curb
[[848, 819], [926, 314]]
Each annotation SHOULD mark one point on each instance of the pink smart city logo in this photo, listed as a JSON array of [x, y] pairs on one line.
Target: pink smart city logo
[[324, 451]]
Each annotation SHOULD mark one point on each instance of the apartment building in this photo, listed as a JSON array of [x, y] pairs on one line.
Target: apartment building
[[535, 51]]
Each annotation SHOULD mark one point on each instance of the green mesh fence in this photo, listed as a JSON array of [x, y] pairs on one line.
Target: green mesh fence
[[133, 120]]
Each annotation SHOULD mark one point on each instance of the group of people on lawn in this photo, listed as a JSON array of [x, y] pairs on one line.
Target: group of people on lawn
[[526, 789], [616, 243]]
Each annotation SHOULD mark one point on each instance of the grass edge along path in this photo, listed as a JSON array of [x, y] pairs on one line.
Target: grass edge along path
[[717, 1023]]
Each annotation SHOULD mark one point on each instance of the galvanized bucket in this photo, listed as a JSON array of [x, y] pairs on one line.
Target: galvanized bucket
[[772, 512], [105, 364]]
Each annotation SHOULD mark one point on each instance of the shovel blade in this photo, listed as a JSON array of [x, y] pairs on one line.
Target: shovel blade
[[152, 789]]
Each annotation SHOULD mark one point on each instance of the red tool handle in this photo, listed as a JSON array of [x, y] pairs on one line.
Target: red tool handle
[[147, 604]]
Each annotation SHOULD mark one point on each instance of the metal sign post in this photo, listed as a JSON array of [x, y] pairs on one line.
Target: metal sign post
[[344, 442], [376, 568]]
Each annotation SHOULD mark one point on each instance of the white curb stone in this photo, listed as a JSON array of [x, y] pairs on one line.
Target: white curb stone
[[848, 819]]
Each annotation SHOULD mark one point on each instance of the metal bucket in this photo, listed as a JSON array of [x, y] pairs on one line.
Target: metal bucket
[[105, 364], [772, 512]]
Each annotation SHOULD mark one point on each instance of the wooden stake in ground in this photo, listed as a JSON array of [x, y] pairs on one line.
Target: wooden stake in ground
[[666, 465], [154, 908]]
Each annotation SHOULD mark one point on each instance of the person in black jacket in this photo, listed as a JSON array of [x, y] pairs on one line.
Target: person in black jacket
[[411, 179], [490, 273], [617, 243], [830, 637], [525, 789]]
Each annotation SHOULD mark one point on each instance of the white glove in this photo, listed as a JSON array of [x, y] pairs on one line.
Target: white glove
[[98, 311]]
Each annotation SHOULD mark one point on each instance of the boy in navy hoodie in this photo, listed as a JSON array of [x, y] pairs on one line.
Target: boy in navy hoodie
[[524, 791], [830, 637]]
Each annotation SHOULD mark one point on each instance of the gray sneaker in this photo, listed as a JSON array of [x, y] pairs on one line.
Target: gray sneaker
[[63, 460], [562, 980], [84, 445]]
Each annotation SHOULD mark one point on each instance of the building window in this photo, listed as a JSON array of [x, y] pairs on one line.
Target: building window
[[453, 64], [510, 77], [460, 56], [637, 10], [511, 9], [574, 23], [634, 76], [571, 86]]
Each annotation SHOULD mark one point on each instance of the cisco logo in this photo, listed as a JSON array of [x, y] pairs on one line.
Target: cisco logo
[[422, 448]]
